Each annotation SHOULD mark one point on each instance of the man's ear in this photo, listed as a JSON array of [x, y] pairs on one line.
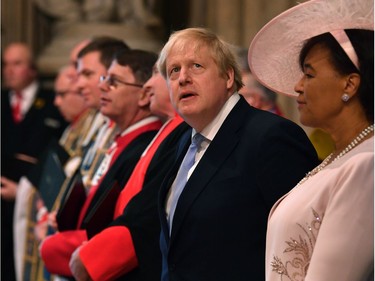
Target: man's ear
[[144, 98], [230, 78]]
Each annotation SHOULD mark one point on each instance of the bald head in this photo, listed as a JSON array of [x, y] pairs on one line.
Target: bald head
[[18, 66], [256, 94], [64, 81], [76, 49], [67, 99]]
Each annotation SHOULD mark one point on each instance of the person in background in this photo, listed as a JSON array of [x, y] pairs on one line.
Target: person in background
[[255, 93], [67, 98], [324, 228], [92, 58], [93, 62], [240, 162], [126, 103], [87, 128], [259, 96], [74, 110], [29, 120], [73, 107], [136, 227]]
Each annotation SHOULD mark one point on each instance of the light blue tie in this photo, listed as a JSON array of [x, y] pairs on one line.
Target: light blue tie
[[182, 175]]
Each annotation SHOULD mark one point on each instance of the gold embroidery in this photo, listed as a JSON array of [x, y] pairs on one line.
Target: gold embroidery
[[296, 269], [39, 103]]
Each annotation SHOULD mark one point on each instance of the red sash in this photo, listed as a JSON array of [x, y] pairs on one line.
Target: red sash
[[135, 182], [122, 143]]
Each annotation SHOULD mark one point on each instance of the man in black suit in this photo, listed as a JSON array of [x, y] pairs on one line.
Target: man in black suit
[[29, 120], [216, 228], [25, 136]]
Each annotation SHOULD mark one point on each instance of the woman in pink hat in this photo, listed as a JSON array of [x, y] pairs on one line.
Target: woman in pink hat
[[322, 52]]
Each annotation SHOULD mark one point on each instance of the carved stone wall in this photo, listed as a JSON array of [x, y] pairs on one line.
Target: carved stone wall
[[22, 22], [236, 21]]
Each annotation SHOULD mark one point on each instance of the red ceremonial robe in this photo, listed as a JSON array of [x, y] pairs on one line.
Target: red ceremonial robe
[[113, 253], [56, 250]]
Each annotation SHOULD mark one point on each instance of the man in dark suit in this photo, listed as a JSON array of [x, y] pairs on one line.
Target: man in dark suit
[[26, 133], [214, 227], [29, 120]]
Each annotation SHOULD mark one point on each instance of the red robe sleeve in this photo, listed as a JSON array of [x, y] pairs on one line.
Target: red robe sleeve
[[112, 257], [57, 249]]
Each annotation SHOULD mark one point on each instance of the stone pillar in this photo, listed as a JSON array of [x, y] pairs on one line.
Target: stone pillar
[[56, 53], [237, 21]]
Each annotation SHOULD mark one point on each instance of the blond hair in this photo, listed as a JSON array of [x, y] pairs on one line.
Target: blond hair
[[222, 52]]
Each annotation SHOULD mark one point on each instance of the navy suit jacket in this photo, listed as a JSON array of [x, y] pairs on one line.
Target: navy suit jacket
[[219, 226], [31, 136]]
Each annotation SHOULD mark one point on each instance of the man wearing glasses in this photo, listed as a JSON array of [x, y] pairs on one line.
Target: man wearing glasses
[[126, 103], [114, 81], [135, 229]]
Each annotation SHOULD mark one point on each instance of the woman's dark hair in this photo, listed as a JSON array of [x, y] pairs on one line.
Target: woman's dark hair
[[363, 43]]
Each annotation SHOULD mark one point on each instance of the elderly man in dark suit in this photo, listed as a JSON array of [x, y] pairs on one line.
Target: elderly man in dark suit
[[214, 226], [29, 120]]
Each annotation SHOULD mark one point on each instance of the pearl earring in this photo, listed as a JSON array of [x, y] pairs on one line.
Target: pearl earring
[[345, 97]]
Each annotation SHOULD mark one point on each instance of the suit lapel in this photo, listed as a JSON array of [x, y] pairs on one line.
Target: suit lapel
[[219, 150], [40, 98]]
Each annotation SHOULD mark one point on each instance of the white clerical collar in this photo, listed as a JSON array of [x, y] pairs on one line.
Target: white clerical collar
[[141, 123]]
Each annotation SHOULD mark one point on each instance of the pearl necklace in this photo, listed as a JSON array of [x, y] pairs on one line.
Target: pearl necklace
[[350, 146]]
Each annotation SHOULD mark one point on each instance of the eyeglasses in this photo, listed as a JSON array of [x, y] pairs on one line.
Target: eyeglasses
[[112, 82]]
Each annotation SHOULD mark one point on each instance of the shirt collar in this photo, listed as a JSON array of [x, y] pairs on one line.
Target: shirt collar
[[29, 92], [143, 122], [213, 127]]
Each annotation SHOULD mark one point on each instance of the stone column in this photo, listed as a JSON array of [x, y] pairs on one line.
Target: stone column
[[237, 21]]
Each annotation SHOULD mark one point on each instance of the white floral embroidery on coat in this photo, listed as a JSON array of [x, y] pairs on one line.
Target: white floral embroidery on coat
[[302, 248]]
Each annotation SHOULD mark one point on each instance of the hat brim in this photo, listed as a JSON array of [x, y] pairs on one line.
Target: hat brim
[[274, 51]]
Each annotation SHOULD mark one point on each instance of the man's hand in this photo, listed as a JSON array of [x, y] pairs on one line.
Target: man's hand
[[52, 221], [8, 189], [77, 267]]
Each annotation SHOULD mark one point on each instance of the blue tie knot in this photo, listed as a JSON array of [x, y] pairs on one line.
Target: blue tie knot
[[197, 140]]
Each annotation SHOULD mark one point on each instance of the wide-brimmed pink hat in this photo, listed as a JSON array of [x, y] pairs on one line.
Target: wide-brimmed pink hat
[[274, 52]]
